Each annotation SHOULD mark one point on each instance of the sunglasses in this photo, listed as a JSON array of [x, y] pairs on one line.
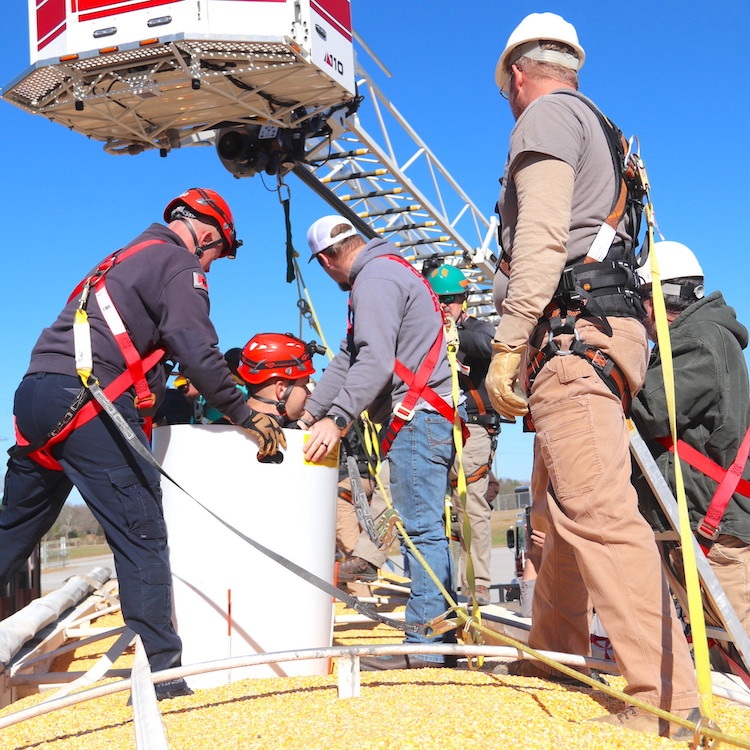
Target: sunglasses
[[449, 299]]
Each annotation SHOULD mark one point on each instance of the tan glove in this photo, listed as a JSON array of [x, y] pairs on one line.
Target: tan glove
[[267, 431], [501, 381]]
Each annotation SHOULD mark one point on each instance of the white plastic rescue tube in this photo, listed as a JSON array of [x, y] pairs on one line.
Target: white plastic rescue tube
[[230, 599]]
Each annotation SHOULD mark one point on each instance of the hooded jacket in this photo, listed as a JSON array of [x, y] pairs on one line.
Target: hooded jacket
[[392, 314], [711, 393]]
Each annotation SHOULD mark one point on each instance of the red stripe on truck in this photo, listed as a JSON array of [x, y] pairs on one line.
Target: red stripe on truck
[[50, 21], [337, 12], [104, 12]]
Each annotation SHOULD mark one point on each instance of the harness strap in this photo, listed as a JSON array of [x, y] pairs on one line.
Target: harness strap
[[417, 383], [116, 257], [475, 475], [145, 401], [43, 454], [730, 481], [603, 364], [417, 388]]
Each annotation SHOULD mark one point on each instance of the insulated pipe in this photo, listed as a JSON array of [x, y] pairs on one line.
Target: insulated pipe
[[27, 622]]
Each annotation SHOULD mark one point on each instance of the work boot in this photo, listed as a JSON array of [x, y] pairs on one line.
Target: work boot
[[357, 569], [482, 595], [172, 689], [529, 668], [169, 689], [638, 720], [403, 661]]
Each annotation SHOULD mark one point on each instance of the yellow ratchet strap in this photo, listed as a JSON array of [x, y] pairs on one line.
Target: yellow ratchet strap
[[692, 586], [468, 634]]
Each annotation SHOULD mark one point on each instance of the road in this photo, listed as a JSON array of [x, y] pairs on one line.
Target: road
[[502, 569], [54, 578]]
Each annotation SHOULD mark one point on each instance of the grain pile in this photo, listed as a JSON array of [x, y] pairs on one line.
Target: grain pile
[[426, 709]]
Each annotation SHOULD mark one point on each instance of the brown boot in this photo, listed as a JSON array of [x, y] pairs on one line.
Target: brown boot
[[639, 720]]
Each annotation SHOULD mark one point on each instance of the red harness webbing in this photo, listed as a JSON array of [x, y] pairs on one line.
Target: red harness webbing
[[730, 481], [91, 409], [417, 382], [134, 376]]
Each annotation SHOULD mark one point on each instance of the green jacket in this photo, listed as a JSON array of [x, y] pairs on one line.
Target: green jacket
[[711, 396]]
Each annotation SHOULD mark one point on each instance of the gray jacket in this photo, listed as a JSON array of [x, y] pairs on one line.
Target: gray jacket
[[392, 315]]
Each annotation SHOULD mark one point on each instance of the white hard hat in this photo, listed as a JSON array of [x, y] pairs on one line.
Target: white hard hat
[[533, 29], [675, 261], [319, 234]]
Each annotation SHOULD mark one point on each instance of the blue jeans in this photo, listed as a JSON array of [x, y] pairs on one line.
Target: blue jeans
[[420, 460]]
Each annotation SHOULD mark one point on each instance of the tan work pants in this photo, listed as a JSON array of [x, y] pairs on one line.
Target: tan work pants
[[477, 453], [599, 550], [350, 537], [729, 558]]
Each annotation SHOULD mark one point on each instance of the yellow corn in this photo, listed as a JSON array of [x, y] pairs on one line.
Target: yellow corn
[[426, 709]]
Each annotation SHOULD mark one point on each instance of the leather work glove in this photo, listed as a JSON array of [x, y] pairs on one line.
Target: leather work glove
[[501, 381], [268, 432]]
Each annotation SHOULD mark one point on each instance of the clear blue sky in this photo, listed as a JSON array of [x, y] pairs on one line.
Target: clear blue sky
[[674, 73]]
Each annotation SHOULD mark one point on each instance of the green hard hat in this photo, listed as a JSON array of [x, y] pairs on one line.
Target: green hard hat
[[447, 279]]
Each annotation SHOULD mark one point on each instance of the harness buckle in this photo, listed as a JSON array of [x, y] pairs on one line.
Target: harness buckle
[[708, 530], [554, 348], [400, 412], [146, 405]]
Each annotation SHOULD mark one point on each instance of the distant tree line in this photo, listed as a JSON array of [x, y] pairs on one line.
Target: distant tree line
[[75, 521]]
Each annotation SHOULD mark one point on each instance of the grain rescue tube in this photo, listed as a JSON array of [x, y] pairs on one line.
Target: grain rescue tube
[[288, 507]]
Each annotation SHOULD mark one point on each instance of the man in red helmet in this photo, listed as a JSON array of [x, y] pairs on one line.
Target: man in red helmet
[[277, 369], [143, 304]]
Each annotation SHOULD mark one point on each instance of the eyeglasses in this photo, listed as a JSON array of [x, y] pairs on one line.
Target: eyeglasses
[[449, 299], [505, 91]]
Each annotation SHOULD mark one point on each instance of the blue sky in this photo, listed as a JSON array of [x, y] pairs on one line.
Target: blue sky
[[673, 73]]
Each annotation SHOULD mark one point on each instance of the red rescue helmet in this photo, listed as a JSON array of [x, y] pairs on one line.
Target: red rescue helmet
[[276, 355], [208, 206]]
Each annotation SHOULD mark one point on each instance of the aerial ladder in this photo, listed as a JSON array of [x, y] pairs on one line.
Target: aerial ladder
[[286, 96]]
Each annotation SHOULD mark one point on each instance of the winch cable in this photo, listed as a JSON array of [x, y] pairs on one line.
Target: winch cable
[[692, 584]]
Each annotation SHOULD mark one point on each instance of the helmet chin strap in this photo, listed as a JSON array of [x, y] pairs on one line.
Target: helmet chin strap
[[281, 404], [199, 249]]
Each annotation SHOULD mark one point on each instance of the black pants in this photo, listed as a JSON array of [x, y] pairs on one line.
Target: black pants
[[122, 491]]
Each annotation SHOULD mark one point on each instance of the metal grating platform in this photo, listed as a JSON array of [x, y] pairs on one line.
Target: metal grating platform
[[159, 96]]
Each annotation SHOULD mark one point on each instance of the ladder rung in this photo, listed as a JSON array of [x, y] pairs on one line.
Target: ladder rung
[[407, 227], [385, 212], [343, 155], [443, 238], [427, 256], [354, 176], [372, 194]]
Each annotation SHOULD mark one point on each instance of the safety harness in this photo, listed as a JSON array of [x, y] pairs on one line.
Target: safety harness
[[730, 481], [82, 410], [604, 282], [403, 412]]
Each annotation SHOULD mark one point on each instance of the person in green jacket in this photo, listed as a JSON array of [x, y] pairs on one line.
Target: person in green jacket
[[711, 394]]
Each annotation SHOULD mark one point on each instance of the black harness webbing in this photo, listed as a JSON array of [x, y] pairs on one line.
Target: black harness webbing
[[137, 446]]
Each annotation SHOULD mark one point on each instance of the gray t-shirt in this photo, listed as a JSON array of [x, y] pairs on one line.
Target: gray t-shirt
[[563, 127]]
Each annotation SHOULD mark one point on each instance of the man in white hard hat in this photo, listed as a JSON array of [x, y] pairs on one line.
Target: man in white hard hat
[[567, 285], [392, 309], [712, 398]]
